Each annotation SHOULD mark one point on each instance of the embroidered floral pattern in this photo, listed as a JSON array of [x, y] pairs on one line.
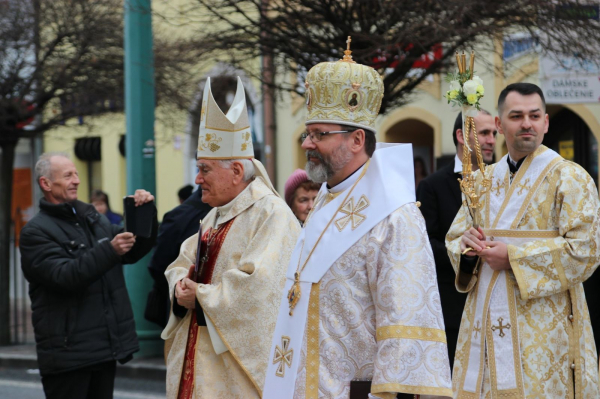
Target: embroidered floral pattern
[[359, 293], [553, 321]]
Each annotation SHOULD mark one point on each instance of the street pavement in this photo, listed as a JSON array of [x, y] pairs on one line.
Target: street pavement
[[20, 378], [26, 384]]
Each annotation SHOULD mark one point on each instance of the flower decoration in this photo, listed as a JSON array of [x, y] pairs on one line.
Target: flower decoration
[[464, 91]]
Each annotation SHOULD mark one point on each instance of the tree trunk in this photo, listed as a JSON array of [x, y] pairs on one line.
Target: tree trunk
[[6, 182]]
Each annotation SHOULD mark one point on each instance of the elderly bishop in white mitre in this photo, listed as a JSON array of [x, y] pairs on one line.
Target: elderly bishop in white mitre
[[227, 280], [360, 314]]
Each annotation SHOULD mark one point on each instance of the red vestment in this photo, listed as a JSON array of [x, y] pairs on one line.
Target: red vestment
[[210, 245]]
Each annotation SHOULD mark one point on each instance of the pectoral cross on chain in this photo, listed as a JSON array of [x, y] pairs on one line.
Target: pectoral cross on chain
[[501, 327]]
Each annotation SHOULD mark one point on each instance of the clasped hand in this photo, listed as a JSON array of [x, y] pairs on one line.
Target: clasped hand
[[495, 253], [185, 291]]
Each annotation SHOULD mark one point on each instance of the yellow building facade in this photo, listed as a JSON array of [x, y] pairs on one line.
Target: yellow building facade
[[426, 122], [108, 174]]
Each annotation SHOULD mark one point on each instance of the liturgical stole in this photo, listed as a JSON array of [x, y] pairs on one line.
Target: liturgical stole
[[387, 184], [494, 326]]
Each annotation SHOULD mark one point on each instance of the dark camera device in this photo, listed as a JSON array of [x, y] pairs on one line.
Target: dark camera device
[[138, 219]]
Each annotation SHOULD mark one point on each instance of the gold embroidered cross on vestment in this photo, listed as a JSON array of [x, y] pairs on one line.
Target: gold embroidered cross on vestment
[[501, 327], [352, 213], [283, 356], [497, 188], [540, 363], [542, 313], [523, 186]]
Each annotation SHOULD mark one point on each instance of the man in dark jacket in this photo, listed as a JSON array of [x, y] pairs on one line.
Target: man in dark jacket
[[177, 225], [72, 257], [440, 198]]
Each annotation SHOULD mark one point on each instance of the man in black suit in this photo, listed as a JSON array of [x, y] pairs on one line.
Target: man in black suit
[[440, 199], [177, 226]]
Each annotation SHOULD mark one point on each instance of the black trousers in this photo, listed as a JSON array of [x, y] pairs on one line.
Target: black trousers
[[452, 340], [93, 382]]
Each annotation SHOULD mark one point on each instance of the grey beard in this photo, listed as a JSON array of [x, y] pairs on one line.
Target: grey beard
[[318, 173], [327, 167]]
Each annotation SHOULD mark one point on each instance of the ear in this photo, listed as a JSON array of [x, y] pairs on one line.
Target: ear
[[45, 184], [238, 173], [498, 125], [546, 123], [358, 141], [459, 136]]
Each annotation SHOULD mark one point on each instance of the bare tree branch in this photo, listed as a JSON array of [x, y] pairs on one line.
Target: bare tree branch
[[390, 35]]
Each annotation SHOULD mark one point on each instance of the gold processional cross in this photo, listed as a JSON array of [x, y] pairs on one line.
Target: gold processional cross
[[283, 356], [501, 327]]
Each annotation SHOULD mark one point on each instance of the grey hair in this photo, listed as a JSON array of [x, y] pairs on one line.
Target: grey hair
[[249, 171], [43, 166]]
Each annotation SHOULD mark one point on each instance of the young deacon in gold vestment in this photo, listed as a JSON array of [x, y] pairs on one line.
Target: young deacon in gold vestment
[[360, 314], [224, 305], [525, 330]]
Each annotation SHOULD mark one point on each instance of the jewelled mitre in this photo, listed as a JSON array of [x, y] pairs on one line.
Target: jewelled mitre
[[224, 136], [343, 92]]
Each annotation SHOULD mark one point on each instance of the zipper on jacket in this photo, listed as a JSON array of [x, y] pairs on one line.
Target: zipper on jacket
[[66, 344]]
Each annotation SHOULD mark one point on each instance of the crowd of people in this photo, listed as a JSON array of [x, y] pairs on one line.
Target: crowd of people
[[346, 288]]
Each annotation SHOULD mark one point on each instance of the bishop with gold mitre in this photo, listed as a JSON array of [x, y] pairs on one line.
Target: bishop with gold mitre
[[360, 313], [227, 280]]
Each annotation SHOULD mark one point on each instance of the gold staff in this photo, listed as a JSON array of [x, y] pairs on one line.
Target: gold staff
[[467, 183]]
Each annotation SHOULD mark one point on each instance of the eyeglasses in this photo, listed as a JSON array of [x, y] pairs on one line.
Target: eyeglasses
[[315, 137]]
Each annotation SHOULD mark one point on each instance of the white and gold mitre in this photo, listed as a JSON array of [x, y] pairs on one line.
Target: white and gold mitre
[[224, 136], [343, 92]]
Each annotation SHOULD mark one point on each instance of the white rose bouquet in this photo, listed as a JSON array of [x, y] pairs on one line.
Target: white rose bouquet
[[464, 91]]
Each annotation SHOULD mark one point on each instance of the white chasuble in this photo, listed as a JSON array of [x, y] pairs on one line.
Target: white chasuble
[[369, 305], [525, 332], [241, 300]]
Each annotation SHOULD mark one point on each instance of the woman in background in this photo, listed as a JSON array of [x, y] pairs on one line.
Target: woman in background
[[300, 194], [420, 170], [100, 201]]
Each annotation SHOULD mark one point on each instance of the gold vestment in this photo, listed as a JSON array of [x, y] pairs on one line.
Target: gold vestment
[[242, 299], [555, 340]]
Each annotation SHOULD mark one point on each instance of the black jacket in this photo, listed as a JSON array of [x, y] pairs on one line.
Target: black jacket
[[440, 198], [80, 307], [177, 226]]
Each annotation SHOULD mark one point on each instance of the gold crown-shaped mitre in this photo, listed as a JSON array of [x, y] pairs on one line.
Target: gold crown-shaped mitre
[[343, 92], [224, 136]]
